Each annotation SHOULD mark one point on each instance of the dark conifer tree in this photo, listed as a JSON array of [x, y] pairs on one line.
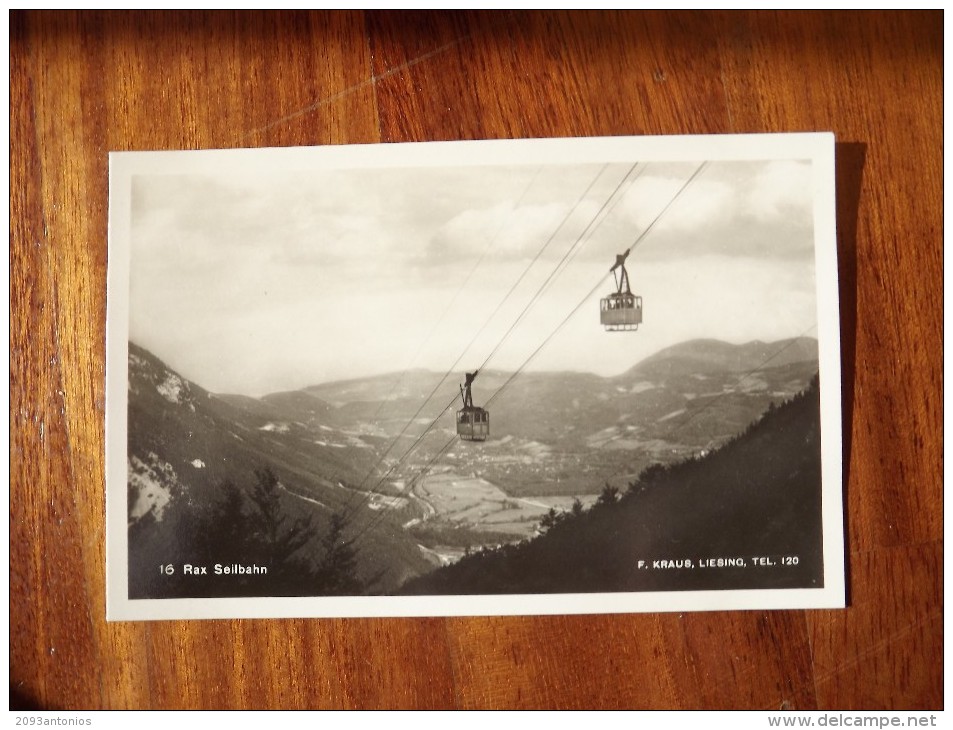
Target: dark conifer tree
[[336, 574], [609, 496], [279, 543]]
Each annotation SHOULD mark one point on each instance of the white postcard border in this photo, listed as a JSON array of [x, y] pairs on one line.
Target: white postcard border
[[817, 147]]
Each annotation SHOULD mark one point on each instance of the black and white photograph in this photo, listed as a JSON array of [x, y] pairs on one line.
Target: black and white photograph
[[503, 377]]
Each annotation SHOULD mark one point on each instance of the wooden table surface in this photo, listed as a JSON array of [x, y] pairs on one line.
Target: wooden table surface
[[83, 84]]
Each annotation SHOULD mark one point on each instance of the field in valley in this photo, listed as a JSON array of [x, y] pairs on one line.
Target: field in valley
[[466, 512]]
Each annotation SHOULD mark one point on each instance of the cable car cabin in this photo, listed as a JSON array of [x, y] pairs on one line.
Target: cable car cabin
[[473, 424], [621, 312]]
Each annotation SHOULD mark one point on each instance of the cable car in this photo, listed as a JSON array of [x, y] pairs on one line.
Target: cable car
[[621, 311], [473, 422]]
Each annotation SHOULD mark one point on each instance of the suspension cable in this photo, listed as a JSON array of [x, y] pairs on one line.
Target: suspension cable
[[493, 242], [446, 375], [566, 319], [559, 266], [636, 242]]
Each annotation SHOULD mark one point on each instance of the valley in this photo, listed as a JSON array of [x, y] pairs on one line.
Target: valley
[[373, 450]]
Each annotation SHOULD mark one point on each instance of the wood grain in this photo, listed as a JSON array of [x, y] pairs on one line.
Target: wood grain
[[83, 84]]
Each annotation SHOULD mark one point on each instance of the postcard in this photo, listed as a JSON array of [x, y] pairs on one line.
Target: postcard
[[545, 376]]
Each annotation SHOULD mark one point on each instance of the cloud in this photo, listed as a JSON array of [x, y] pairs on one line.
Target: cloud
[[702, 204], [760, 210], [511, 233], [316, 275], [782, 190]]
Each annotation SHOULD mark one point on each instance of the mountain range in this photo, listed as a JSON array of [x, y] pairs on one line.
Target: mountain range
[[331, 445]]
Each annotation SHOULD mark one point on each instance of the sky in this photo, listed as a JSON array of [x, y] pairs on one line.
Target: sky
[[258, 281]]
